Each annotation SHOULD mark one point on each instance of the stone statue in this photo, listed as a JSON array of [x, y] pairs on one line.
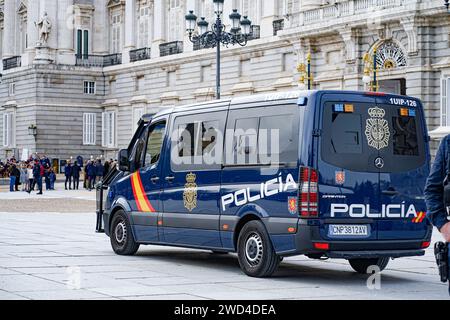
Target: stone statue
[[44, 27]]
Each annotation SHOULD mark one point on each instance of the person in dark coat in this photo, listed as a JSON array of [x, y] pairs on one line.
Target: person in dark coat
[[99, 168], [14, 176], [15, 172], [91, 172], [38, 173], [76, 175], [68, 174]]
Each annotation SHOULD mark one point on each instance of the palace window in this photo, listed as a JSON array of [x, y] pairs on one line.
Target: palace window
[[89, 124], [89, 87], [207, 9], [138, 112], [288, 7], [82, 43], [109, 129], [116, 30], [176, 21], [8, 129], [144, 24], [22, 12]]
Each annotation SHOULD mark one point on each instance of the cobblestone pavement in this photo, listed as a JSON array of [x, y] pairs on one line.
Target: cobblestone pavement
[[55, 255]]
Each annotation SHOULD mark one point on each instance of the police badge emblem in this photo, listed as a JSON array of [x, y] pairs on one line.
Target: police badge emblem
[[190, 192], [377, 129]]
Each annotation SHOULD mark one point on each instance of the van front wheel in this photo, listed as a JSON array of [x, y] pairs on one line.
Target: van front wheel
[[361, 265], [256, 255], [122, 240]]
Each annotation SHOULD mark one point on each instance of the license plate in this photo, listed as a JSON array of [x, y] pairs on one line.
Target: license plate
[[352, 230]]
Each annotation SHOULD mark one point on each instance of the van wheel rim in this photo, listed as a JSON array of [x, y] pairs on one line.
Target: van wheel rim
[[121, 232], [254, 249]]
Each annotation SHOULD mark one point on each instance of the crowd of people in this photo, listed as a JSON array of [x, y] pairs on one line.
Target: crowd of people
[[32, 174]]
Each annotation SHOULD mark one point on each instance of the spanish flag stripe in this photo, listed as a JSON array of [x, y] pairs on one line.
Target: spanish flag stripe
[[135, 191], [140, 197], [146, 203]]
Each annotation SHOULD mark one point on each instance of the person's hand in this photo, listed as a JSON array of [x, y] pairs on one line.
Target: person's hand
[[445, 231]]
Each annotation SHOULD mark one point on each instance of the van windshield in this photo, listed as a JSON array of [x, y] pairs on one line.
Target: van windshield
[[355, 134]]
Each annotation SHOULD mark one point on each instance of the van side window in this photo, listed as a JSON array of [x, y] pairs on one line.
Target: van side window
[[245, 144], [136, 159], [263, 136], [154, 143], [278, 131], [198, 141]]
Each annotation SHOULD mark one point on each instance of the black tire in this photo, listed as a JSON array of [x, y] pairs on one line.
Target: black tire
[[256, 255], [122, 240], [361, 265]]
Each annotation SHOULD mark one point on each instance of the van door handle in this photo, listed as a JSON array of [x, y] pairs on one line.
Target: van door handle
[[154, 179], [170, 179], [390, 192]]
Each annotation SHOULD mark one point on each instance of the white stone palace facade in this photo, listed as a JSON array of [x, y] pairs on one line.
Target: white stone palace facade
[[85, 79]]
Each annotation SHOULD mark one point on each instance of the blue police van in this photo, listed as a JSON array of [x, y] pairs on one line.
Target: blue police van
[[326, 174]]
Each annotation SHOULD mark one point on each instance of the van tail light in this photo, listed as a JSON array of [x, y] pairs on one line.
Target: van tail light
[[425, 244], [308, 192]]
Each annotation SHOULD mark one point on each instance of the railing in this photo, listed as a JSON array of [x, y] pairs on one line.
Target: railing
[[278, 25], [139, 54], [91, 60], [198, 45], [169, 48], [255, 32], [10, 63], [345, 8]]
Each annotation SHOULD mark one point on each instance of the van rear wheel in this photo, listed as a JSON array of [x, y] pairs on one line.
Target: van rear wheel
[[361, 265], [121, 237], [256, 255]]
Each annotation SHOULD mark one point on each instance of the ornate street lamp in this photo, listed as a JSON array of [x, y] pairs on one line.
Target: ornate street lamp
[[239, 33], [32, 130], [305, 72], [370, 66]]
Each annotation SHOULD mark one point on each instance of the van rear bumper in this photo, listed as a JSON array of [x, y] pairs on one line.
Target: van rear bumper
[[307, 236], [374, 254]]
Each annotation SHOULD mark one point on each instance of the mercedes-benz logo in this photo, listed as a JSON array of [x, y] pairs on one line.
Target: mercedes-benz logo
[[379, 163]]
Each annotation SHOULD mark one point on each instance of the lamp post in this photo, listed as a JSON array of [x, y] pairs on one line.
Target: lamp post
[[370, 67], [305, 72], [239, 33], [32, 130]]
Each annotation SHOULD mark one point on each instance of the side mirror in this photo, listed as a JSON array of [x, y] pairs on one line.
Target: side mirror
[[124, 162]]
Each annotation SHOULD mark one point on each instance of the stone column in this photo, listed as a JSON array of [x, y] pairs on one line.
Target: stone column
[[269, 14], [159, 27], [32, 32], [9, 31], [66, 53], [100, 32], [130, 30]]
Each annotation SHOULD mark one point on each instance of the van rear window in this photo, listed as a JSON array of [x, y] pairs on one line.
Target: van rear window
[[355, 134]]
